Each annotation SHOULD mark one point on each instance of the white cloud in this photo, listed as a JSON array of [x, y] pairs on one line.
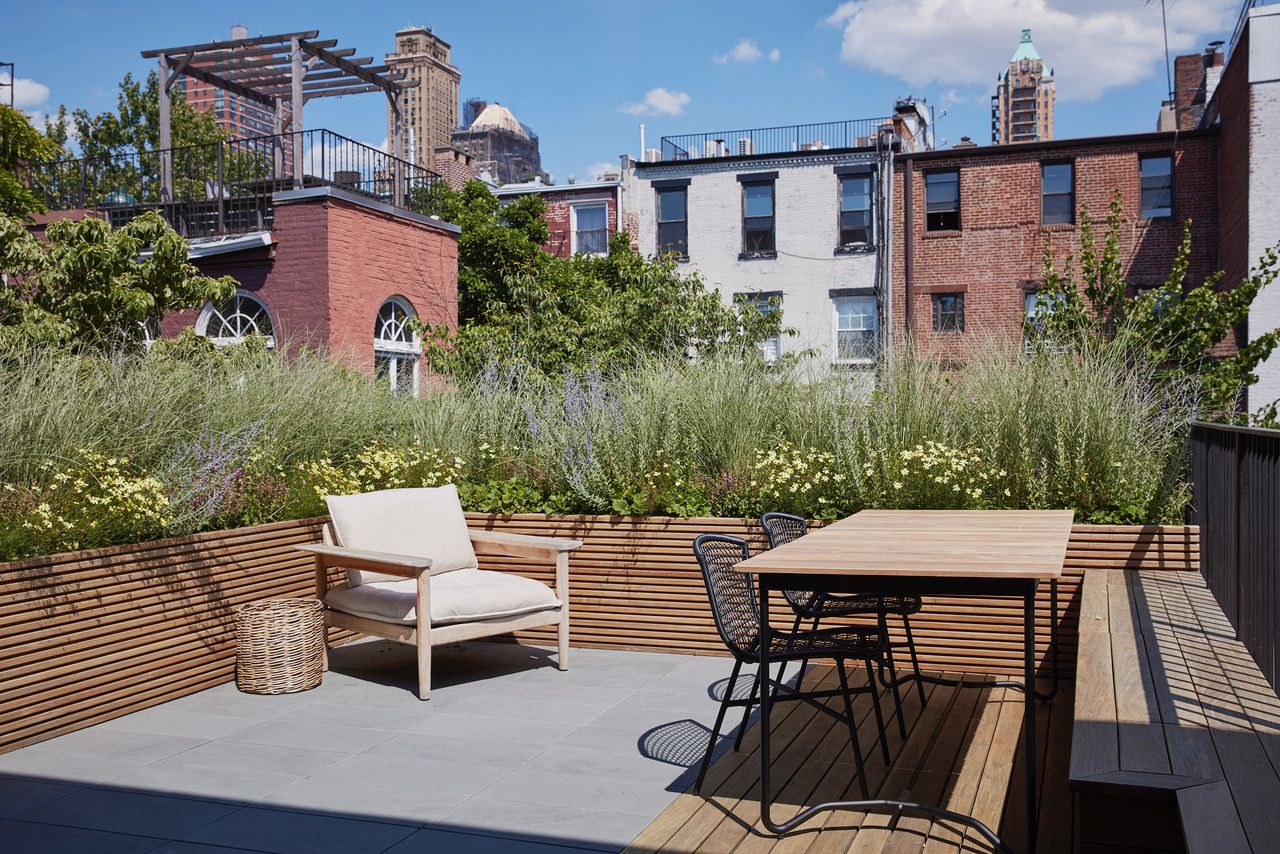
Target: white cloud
[[27, 93], [658, 102], [1093, 45], [775, 55], [595, 170], [744, 51]]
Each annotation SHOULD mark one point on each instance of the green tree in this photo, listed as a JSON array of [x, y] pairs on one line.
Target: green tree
[[1173, 326], [518, 303], [20, 144], [90, 286]]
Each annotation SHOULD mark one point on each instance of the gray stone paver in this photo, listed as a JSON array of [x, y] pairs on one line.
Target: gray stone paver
[[510, 754]]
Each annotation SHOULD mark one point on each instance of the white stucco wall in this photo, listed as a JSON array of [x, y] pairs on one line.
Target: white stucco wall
[[806, 216], [1264, 183]]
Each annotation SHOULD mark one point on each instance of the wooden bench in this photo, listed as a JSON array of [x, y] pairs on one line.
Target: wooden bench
[[1176, 737]]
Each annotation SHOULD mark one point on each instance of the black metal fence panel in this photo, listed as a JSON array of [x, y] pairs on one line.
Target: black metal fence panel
[[1235, 474]]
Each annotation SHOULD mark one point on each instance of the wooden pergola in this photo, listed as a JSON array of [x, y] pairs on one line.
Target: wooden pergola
[[281, 72]]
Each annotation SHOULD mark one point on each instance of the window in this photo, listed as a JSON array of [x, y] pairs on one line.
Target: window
[[235, 320], [757, 220], [673, 221], [855, 210], [1057, 193], [590, 229], [1156, 181], [396, 348], [766, 304], [948, 312], [856, 329], [942, 200]]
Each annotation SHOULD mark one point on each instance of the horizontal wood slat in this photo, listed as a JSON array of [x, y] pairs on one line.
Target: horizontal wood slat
[[88, 636]]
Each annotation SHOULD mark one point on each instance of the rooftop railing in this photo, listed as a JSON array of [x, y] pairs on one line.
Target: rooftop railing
[[854, 133], [226, 187]]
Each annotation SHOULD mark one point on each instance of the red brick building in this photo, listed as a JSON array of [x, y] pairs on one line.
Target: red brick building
[[581, 217], [968, 248], [337, 271]]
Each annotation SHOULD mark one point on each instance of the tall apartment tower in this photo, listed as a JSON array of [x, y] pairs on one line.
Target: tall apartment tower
[[1022, 107], [240, 117], [431, 108]]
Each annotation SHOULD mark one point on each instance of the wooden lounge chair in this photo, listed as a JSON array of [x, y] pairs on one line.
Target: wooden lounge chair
[[409, 553]]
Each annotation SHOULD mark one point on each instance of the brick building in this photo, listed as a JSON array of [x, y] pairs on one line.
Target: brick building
[[581, 217], [338, 271], [971, 224]]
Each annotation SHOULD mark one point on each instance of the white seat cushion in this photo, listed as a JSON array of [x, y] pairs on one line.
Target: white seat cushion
[[463, 596], [418, 522]]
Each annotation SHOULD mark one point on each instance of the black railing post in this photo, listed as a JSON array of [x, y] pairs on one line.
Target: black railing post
[[218, 191]]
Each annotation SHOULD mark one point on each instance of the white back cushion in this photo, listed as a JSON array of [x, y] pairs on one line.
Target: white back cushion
[[418, 522]]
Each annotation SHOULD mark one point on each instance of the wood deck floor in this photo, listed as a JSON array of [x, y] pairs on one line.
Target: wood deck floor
[[963, 751]]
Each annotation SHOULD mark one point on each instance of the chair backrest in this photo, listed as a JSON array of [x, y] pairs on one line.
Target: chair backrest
[[421, 522], [732, 593], [782, 528]]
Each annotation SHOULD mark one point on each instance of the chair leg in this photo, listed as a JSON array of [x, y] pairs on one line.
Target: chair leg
[[715, 730], [853, 729], [875, 705], [804, 663], [893, 675], [746, 712], [915, 659]]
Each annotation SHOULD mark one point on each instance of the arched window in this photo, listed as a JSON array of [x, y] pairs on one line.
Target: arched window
[[396, 347], [236, 319]]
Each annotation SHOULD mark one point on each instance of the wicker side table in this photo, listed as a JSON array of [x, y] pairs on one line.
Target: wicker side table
[[279, 646]]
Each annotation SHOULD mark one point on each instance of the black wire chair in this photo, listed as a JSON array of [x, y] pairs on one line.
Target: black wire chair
[[737, 617], [783, 528]]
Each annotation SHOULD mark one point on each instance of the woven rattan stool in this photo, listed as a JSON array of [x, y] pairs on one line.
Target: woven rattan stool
[[279, 646]]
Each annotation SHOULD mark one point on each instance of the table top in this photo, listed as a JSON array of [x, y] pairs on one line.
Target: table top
[[1008, 544]]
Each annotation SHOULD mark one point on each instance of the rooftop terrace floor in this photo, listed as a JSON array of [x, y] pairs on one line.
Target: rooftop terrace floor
[[509, 755]]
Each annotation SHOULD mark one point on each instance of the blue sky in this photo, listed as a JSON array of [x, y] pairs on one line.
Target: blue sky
[[583, 75]]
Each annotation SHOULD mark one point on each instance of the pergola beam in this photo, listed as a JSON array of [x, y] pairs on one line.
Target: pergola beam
[[229, 85], [281, 38]]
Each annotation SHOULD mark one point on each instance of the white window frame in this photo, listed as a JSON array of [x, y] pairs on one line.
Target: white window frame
[[874, 314], [406, 346], [238, 299], [573, 226], [770, 348]]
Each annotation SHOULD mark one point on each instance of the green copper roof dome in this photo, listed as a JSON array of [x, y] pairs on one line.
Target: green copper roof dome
[[1026, 50]]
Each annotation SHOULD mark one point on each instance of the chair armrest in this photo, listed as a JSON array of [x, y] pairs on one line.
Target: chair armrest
[[502, 544], [384, 562]]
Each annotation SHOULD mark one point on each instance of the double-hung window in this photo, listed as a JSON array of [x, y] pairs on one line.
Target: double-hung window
[[948, 312], [1155, 173], [766, 303], [590, 226], [942, 200], [1057, 193], [673, 219], [855, 211], [856, 329], [757, 216]]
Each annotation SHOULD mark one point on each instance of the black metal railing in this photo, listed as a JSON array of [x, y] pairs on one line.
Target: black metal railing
[[1235, 473], [227, 187], [854, 133]]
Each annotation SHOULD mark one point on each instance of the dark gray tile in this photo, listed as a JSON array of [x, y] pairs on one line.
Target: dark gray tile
[[554, 825], [18, 794], [196, 848], [177, 778], [22, 837], [289, 832], [432, 841], [128, 812]]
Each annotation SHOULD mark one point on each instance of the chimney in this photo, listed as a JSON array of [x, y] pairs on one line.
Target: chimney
[[1213, 54], [965, 142]]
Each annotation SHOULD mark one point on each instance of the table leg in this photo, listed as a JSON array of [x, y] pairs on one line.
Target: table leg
[[766, 700], [1029, 707], [1053, 642]]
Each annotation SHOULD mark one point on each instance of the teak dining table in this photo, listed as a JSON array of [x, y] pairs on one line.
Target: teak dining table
[[923, 553]]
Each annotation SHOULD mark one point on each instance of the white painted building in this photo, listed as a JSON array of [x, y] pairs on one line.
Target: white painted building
[[796, 216]]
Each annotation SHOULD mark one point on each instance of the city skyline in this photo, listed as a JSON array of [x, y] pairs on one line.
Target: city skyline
[[811, 63]]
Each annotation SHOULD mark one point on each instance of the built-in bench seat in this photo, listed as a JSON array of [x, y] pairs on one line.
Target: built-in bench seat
[[1176, 737]]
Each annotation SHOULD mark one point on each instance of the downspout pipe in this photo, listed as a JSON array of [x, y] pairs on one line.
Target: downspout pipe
[[908, 233]]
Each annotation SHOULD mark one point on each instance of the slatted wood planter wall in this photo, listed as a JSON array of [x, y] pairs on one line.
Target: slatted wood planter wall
[[93, 635]]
